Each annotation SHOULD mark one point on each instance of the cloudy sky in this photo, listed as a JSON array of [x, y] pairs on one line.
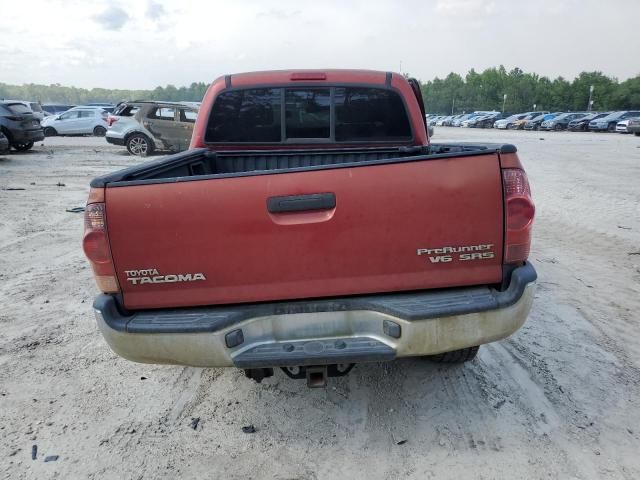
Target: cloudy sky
[[145, 43]]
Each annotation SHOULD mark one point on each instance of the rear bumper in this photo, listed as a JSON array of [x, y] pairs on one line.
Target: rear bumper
[[114, 140], [320, 332], [25, 136]]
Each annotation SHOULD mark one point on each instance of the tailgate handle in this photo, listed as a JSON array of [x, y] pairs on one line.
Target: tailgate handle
[[299, 203]]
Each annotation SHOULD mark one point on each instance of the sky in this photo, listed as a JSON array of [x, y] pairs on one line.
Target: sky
[[140, 44]]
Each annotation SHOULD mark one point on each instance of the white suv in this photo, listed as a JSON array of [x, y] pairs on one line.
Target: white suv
[[77, 121]]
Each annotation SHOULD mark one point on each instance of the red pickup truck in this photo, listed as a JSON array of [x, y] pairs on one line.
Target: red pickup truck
[[311, 226]]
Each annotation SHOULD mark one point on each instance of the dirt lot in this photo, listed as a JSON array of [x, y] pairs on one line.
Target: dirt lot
[[560, 399]]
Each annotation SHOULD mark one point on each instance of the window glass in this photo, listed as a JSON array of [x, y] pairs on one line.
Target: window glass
[[246, 116], [308, 113], [188, 116], [69, 115], [18, 108], [85, 113], [370, 113], [163, 113]]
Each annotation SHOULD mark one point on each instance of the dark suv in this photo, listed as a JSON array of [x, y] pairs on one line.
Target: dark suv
[[19, 125]]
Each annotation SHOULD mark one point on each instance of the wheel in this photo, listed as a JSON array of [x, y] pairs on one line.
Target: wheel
[[50, 132], [457, 356], [557, 128], [139, 144], [22, 147], [99, 131], [611, 127]]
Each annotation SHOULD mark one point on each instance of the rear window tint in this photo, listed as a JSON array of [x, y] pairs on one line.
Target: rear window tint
[[263, 115], [308, 113], [246, 116], [369, 114], [86, 113], [18, 108]]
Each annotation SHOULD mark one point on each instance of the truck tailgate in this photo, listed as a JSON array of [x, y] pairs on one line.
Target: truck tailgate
[[397, 226]]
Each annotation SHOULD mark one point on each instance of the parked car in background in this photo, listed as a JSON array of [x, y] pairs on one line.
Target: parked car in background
[[560, 122], [519, 124], [623, 125], [582, 124], [634, 126], [457, 121], [107, 107], [144, 127], [472, 122], [55, 109], [465, 120], [35, 107], [608, 123], [4, 143], [488, 120], [446, 121], [535, 122], [19, 125], [506, 122], [77, 121]]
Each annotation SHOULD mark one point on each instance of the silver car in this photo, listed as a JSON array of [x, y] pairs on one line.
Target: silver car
[[77, 121], [144, 127]]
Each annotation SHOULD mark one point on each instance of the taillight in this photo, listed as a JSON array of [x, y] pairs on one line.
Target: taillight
[[519, 213], [96, 247], [111, 120]]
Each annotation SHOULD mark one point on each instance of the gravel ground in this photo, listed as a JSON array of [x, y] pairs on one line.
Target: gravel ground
[[559, 399]]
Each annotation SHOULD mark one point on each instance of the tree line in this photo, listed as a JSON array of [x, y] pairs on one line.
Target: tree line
[[484, 90], [57, 93], [487, 90]]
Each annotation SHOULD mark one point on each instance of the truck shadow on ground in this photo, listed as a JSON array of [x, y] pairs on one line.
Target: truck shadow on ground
[[397, 402]]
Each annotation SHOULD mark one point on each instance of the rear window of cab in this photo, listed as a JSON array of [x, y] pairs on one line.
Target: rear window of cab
[[308, 114]]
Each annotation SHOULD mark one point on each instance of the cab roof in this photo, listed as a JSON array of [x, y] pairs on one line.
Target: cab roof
[[304, 76]]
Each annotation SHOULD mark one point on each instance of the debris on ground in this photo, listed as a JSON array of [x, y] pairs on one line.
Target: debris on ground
[[34, 452], [51, 458], [249, 429], [194, 422]]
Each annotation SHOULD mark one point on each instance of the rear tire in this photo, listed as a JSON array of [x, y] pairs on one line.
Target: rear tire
[[50, 132], [22, 147], [611, 127], [99, 131], [457, 356], [557, 128], [139, 144]]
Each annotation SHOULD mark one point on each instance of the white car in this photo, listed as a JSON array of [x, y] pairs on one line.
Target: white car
[[77, 121], [622, 125]]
